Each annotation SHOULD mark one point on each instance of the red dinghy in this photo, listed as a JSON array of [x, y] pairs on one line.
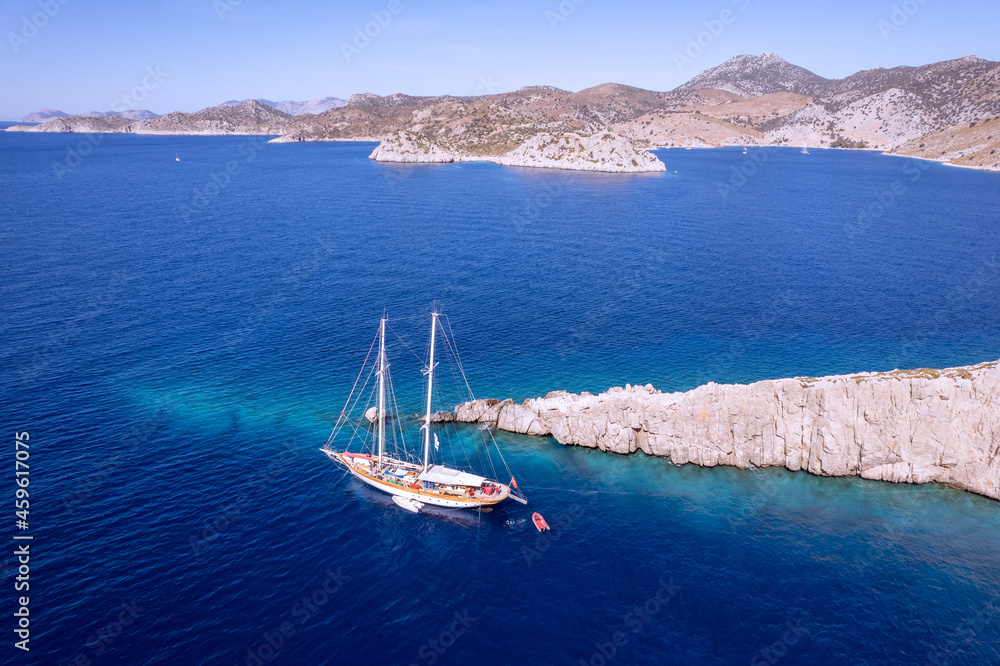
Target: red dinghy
[[539, 522]]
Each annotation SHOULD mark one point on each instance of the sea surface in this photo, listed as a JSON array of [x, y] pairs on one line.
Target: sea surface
[[179, 337]]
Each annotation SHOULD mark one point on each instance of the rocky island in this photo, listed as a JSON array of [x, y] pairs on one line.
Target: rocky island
[[915, 426]]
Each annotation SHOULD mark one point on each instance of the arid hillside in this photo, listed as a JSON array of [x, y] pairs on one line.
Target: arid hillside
[[975, 144], [944, 111]]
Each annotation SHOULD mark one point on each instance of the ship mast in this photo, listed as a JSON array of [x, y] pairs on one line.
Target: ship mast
[[381, 391], [430, 386]]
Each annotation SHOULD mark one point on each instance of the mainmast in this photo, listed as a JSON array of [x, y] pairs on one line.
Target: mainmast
[[381, 391], [430, 386]]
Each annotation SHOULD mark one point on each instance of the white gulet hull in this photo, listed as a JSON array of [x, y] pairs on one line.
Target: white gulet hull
[[360, 468]]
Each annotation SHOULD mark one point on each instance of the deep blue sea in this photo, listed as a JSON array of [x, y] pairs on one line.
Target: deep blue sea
[[178, 338]]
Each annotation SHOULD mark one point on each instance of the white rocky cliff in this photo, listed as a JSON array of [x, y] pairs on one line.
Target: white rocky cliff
[[409, 148], [601, 151], [913, 426]]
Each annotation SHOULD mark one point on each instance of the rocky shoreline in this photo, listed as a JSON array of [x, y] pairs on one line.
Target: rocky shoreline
[[913, 426]]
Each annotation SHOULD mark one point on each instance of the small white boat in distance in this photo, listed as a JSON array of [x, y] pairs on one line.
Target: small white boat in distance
[[177, 156], [805, 150], [411, 505]]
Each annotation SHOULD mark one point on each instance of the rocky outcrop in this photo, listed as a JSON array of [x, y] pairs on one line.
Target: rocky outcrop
[[410, 148], [913, 426], [601, 151], [506, 415]]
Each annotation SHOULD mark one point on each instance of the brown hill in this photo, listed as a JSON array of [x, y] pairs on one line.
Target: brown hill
[[974, 144], [81, 124], [250, 117]]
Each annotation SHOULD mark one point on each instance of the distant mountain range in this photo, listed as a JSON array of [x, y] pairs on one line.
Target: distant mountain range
[[250, 117], [318, 105], [138, 114], [43, 116], [46, 115], [945, 111]]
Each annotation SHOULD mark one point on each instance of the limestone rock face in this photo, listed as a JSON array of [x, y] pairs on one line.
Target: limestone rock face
[[481, 411], [913, 426], [601, 151], [522, 419], [407, 147]]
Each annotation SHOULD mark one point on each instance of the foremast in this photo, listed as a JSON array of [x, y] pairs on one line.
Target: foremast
[[381, 391]]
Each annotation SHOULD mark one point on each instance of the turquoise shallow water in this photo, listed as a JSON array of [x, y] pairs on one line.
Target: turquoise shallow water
[[179, 337]]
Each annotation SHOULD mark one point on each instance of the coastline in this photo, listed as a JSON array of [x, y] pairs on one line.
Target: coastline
[[281, 138], [971, 167], [963, 166], [196, 133], [887, 153], [510, 164], [146, 133]]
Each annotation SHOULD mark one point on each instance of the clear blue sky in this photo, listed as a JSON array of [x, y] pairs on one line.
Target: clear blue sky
[[88, 53]]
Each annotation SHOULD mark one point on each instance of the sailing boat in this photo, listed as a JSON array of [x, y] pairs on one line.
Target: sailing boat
[[413, 482], [805, 150], [177, 156]]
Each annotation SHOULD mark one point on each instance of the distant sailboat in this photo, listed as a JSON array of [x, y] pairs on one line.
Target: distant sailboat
[[177, 156], [805, 150], [744, 150]]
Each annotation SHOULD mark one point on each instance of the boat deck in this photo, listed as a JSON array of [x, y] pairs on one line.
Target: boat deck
[[399, 477]]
